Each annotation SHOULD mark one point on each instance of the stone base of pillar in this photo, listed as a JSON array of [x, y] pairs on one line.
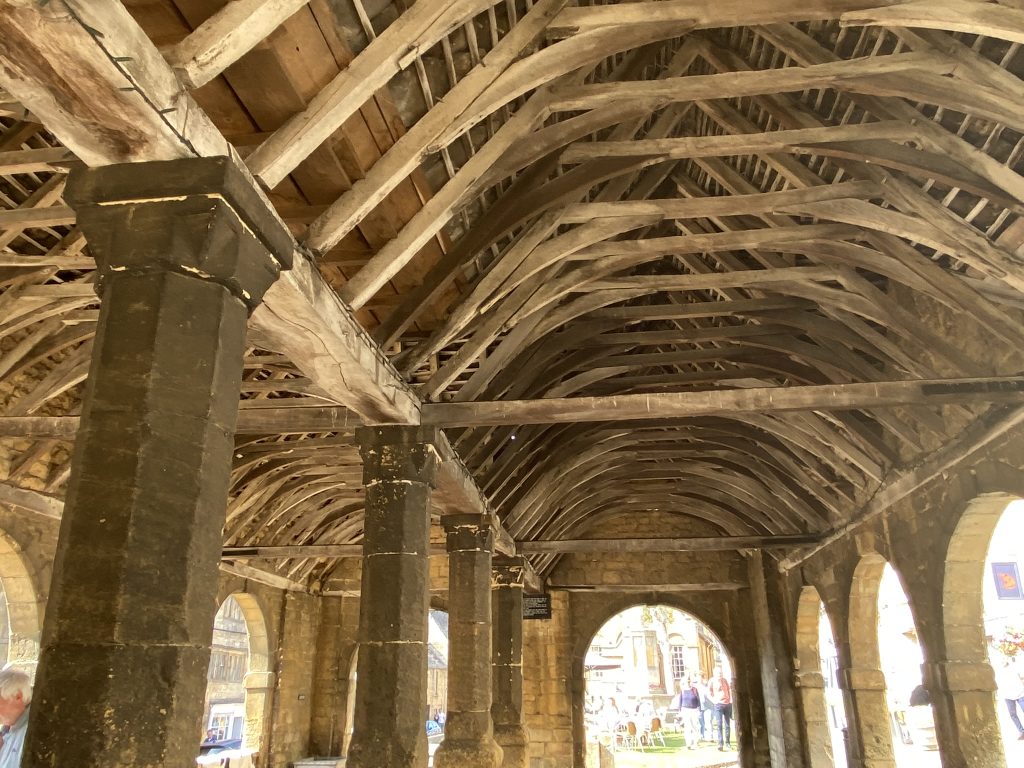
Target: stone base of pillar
[[468, 754], [513, 740]]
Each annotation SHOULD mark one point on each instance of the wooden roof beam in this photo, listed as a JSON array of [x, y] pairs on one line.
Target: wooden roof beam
[[693, 544], [704, 14], [732, 402], [226, 36], [988, 19], [100, 85]]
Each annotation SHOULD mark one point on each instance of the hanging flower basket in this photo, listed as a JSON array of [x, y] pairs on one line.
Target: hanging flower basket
[[1011, 643]]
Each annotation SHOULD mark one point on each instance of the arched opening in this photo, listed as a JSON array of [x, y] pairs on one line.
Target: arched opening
[[819, 684], [239, 681], [871, 731], [652, 677], [437, 680], [19, 610], [986, 560], [902, 660]]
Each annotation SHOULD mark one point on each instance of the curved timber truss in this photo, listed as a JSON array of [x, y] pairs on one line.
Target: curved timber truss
[[587, 238]]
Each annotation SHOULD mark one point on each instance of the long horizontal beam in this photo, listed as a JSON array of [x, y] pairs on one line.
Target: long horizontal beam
[[674, 405], [695, 544], [704, 14], [710, 586]]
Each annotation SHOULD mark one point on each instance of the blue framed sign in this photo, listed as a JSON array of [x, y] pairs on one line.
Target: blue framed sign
[[1007, 578]]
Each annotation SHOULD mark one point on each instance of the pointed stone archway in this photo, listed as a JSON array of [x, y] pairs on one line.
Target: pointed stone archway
[[23, 607]]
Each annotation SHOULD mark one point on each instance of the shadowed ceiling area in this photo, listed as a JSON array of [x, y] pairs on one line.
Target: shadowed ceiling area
[[684, 256]]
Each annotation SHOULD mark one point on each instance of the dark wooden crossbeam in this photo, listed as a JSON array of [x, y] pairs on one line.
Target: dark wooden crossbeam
[[671, 405]]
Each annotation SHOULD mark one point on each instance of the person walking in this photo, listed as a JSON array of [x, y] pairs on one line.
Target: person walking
[[721, 697], [707, 711], [689, 712], [1011, 688]]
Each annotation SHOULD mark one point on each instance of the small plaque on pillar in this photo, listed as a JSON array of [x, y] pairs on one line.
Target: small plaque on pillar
[[536, 606]]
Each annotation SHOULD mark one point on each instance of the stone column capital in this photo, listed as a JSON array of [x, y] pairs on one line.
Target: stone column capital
[[468, 533], [396, 452], [198, 217], [509, 572]]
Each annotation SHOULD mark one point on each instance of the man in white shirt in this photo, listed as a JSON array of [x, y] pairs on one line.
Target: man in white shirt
[[15, 697], [1010, 683]]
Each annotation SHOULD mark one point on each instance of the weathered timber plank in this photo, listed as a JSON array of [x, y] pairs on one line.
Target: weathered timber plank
[[729, 205], [226, 36], [414, 31], [47, 160], [304, 318], [36, 502], [970, 16], [672, 405], [87, 70], [846, 73], [705, 14], [410, 149], [716, 586], [738, 144], [27, 218], [693, 544]]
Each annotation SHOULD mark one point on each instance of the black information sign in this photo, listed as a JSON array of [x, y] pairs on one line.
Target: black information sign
[[536, 606]]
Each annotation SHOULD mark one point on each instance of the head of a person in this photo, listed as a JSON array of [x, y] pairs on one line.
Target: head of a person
[[15, 695], [717, 673]]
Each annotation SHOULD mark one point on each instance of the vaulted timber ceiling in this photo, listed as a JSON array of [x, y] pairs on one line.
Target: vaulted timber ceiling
[[540, 201]]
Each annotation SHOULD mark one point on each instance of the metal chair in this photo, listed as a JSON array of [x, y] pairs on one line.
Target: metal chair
[[656, 732]]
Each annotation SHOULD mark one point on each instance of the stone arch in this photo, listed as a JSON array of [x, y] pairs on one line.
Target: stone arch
[[809, 680], [23, 607], [963, 613], [962, 682], [259, 678], [614, 606], [863, 681]]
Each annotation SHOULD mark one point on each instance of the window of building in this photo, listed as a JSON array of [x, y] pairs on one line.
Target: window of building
[[678, 661]]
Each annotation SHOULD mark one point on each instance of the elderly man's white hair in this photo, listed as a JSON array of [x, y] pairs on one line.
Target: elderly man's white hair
[[13, 682]]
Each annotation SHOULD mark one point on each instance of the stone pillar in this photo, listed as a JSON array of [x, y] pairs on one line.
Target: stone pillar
[[186, 249], [964, 709], [507, 662], [391, 693], [811, 687], [468, 731], [781, 718], [868, 713], [259, 693]]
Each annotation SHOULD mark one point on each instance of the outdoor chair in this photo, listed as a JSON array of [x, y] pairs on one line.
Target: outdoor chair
[[656, 732]]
